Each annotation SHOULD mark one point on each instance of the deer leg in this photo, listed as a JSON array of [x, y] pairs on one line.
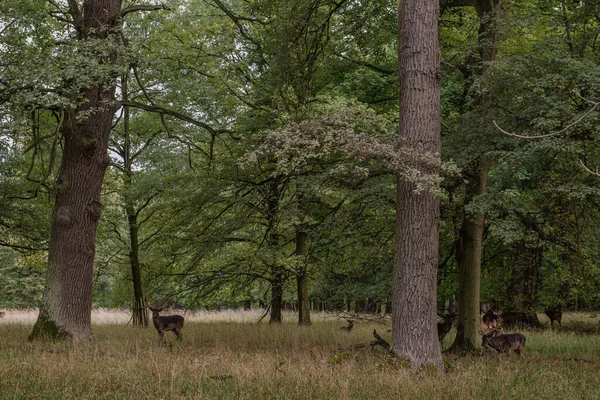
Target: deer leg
[[179, 335], [161, 337]]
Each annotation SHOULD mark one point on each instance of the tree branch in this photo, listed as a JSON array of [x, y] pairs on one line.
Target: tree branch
[[596, 173], [166, 111], [595, 105]]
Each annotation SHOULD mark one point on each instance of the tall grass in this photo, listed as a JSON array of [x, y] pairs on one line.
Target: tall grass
[[221, 358]]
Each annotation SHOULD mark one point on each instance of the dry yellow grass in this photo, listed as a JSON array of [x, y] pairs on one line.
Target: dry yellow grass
[[223, 359]]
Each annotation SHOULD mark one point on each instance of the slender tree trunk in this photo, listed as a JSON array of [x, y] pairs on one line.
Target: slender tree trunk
[[301, 275], [140, 315], [414, 313], [276, 296], [277, 276], [302, 281], [469, 253], [468, 257], [66, 305]]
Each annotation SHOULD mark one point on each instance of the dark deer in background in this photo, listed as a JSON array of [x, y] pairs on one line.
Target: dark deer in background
[[165, 323], [445, 325], [349, 327], [490, 320], [555, 314]]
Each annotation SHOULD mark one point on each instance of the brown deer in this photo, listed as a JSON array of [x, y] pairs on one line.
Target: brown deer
[[349, 327], [165, 323], [555, 314]]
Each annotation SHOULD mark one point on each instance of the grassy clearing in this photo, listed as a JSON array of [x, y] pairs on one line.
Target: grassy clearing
[[223, 359]]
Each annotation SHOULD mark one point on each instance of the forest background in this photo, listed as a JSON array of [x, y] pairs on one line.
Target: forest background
[[252, 158]]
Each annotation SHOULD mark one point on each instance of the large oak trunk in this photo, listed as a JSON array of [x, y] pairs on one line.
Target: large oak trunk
[[66, 305], [414, 311]]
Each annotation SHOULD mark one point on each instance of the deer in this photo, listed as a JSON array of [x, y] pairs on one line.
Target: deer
[[491, 320], [555, 314], [165, 323], [502, 343], [447, 320], [445, 326], [349, 327]]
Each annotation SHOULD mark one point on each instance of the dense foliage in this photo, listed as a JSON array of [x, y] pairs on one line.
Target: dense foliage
[[243, 123]]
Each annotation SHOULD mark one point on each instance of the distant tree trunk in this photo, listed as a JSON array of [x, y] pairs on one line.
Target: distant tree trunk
[[140, 315], [276, 296], [302, 281], [524, 282], [414, 313], [301, 271], [468, 256], [277, 276], [65, 311]]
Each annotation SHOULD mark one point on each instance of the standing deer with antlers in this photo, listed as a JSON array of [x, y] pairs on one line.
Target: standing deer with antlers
[[165, 323]]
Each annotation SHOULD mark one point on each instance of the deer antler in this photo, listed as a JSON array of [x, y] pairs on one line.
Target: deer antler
[[166, 305]]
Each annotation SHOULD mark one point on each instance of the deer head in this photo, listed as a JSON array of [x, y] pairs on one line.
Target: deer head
[[165, 323]]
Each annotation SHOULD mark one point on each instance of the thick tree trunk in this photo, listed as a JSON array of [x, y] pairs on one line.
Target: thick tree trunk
[[468, 257], [66, 305], [414, 313]]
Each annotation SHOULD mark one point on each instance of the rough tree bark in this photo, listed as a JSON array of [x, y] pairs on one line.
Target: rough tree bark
[[414, 311], [66, 305]]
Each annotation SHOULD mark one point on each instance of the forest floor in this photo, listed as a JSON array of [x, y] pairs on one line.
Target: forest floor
[[227, 355]]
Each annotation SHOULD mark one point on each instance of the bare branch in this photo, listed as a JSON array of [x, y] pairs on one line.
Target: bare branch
[[176, 114], [596, 173], [595, 105]]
